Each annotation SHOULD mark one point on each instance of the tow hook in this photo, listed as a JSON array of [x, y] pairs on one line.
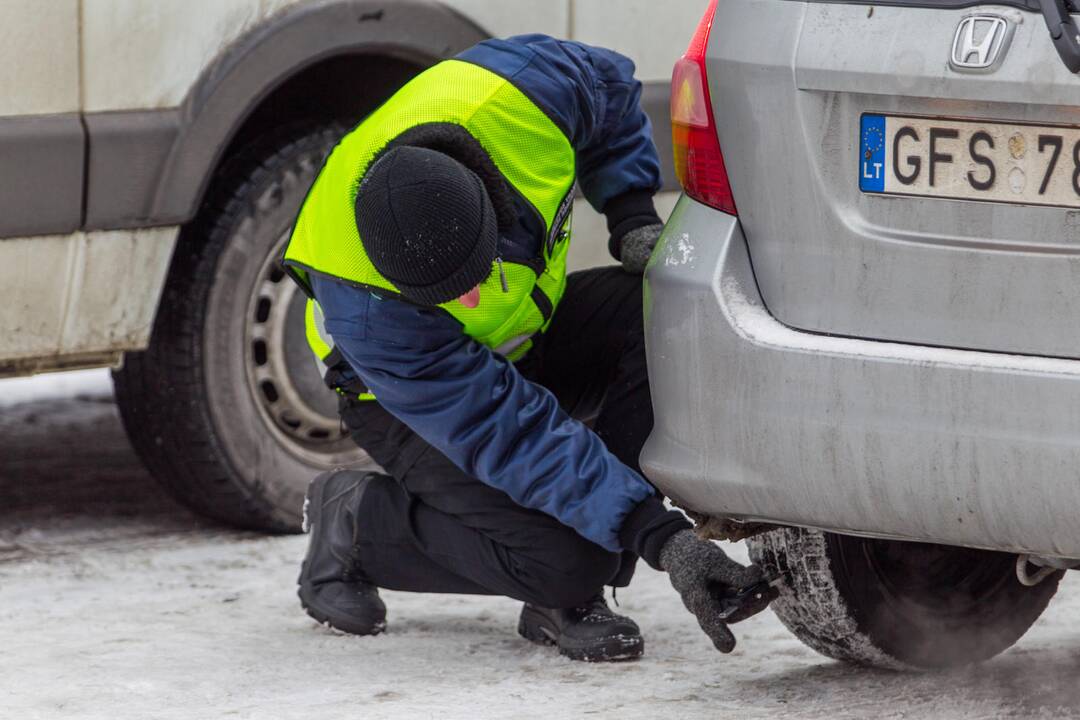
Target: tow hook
[[747, 597]]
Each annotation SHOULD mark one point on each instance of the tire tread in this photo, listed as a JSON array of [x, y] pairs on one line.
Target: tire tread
[[162, 392], [810, 603]]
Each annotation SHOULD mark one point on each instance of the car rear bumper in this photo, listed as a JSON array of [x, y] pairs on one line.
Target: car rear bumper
[[756, 420]]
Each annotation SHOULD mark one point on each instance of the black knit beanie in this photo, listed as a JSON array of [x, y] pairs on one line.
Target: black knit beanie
[[426, 223]]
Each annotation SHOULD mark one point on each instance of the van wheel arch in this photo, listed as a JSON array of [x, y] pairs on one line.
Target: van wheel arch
[[253, 84]]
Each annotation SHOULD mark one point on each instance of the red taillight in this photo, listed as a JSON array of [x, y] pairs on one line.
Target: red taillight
[[699, 163]]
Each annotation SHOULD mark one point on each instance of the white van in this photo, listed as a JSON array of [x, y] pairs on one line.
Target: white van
[[152, 158]]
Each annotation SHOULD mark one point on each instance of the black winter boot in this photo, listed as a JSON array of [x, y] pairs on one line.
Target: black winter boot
[[329, 590], [592, 632]]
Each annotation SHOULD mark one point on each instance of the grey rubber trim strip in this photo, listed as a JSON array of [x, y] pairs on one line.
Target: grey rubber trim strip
[[126, 156], [41, 174]]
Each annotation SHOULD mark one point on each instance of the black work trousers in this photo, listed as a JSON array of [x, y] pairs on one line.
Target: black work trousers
[[430, 527]]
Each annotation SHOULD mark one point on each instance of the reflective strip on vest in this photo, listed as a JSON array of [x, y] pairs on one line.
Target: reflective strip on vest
[[322, 344], [318, 339]]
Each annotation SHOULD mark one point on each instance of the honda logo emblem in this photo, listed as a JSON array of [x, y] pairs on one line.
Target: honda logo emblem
[[980, 43]]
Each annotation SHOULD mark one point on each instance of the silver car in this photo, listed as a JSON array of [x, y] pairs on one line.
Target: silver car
[[863, 319]]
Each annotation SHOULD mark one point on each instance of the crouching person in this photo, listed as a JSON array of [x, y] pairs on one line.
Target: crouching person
[[434, 242]]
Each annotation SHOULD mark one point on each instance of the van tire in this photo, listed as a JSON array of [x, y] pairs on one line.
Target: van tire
[[898, 605], [190, 403]]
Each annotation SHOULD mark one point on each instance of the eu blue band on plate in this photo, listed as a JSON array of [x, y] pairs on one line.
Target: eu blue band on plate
[[872, 153]]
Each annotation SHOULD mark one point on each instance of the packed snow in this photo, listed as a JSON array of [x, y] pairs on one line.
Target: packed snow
[[116, 603], [91, 383], [681, 253]]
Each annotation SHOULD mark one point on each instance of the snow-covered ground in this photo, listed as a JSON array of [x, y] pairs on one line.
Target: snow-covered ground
[[94, 383], [115, 603]]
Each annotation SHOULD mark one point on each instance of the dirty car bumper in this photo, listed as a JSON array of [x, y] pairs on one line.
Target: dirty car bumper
[[756, 420]]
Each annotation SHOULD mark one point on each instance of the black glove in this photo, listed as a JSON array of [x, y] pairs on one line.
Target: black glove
[[703, 574], [636, 247], [633, 226]]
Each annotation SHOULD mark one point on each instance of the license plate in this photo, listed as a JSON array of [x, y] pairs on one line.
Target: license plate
[[970, 160]]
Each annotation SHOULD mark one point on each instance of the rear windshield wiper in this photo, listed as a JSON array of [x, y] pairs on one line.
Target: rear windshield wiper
[[1062, 31]]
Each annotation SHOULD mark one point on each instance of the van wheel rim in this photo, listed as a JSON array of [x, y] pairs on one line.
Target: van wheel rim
[[284, 376]]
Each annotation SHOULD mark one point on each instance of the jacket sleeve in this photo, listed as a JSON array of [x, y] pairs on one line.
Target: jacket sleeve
[[476, 408], [592, 94]]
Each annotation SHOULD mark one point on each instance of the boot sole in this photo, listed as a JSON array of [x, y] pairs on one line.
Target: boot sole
[[327, 617], [306, 591], [612, 648]]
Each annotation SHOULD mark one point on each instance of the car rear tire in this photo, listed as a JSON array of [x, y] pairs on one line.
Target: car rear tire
[[898, 605], [226, 407]]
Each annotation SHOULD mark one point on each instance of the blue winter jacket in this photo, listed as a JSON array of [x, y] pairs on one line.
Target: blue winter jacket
[[469, 402]]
